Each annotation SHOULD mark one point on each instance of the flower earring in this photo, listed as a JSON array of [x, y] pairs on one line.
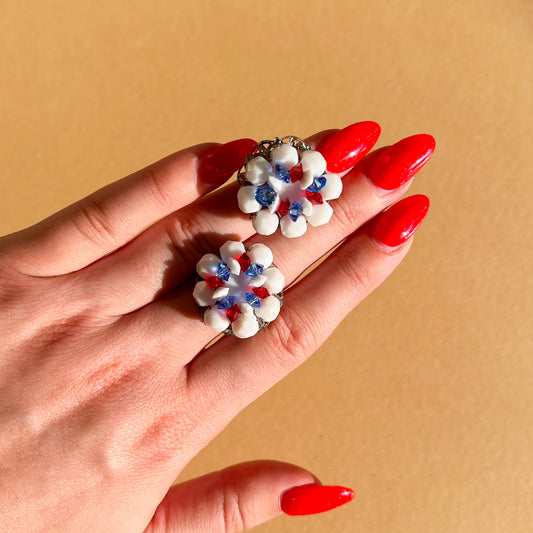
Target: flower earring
[[284, 183]]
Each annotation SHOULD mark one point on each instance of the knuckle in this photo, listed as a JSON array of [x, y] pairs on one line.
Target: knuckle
[[158, 189], [93, 222], [232, 514], [356, 274], [292, 338], [348, 214]]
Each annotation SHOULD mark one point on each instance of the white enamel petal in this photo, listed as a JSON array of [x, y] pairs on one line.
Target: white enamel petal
[[293, 228], [321, 214], [285, 155], [307, 179], [203, 294], [269, 309], [232, 249], [265, 223], [307, 206], [313, 161], [208, 265], [247, 201], [215, 319], [260, 253], [257, 170], [275, 281], [233, 266], [333, 187], [245, 326], [277, 184], [257, 281], [272, 208], [220, 293], [246, 309]]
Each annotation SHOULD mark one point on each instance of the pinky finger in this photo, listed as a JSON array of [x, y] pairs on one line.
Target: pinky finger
[[238, 371]]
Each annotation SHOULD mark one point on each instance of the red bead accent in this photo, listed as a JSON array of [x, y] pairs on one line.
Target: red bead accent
[[233, 313], [314, 197], [283, 207], [244, 261], [261, 292], [296, 173], [214, 282]]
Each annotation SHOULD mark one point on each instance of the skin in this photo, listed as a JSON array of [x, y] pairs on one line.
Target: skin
[[107, 388]]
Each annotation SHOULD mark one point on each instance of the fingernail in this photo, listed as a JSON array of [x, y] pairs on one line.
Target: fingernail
[[344, 148], [399, 162], [313, 499], [395, 225], [222, 161]]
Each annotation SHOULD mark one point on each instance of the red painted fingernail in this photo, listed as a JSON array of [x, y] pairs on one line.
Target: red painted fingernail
[[399, 162], [345, 147], [222, 161], [395, 225], [313, 499]]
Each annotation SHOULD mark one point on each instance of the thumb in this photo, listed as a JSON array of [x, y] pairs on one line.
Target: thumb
[[243, 496]]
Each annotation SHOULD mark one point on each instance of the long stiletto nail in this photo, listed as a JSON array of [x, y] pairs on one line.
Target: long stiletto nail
[[344, 148], [399, 162], [395, 225], [222, 161], [313, 499]]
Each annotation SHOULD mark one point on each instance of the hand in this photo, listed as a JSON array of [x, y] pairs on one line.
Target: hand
[[107, 390]]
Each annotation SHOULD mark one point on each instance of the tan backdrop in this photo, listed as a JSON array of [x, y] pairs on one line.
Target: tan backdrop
[[422, 398]]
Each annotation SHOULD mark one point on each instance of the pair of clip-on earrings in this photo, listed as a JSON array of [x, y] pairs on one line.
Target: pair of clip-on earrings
[[283, 183]]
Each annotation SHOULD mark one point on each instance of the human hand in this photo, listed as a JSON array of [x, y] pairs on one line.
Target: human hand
[[107, 388]]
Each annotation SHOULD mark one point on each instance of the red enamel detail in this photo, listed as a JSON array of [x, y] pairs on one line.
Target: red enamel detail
[[233, 313], [261, 292], [296, 173], [244, 261], [283, 207], [314, 197], [214, 282]]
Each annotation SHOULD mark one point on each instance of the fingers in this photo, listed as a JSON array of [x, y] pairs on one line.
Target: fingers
[[243, 496], [166, 254], [233, 372], [112, 216], [360, 201]]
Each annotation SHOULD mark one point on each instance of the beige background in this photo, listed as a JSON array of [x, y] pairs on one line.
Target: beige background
[[422, 399]]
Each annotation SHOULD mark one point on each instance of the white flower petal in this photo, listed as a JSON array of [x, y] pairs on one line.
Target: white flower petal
[[215, 319], [246, 199], [257, 170], [275, 280], [321, 214], [307, 179], [234, 266], [313, 161], [260, 253], [203, 294], [257, 281], [269, 309], [232, 249], [307, 206], [333, 187], [245, 326], [246, 309], [293, 228], [272, 208], [285, 155], [265, 223], [208, 265], [277, 184], [220, 293]]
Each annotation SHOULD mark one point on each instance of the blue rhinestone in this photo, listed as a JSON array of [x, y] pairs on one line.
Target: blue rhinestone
[[223, 271], [226, 302], [295, 210], [265, 195], [283, 174], [254, 270], [253, 300], [318, 183]]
